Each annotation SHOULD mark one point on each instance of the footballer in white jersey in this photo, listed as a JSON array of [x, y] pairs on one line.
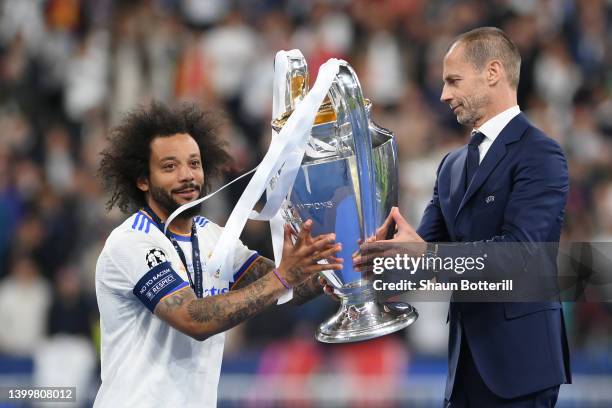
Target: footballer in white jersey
[[163, 316], [138, 347]]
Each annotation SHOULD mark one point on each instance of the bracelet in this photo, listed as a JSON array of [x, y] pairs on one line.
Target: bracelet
[[284, 282]]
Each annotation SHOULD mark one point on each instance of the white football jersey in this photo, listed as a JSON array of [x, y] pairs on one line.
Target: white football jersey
[[145, 362]]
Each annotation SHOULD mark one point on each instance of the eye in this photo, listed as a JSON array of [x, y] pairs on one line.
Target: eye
[[195, 163], [452, 81], [169, 166]]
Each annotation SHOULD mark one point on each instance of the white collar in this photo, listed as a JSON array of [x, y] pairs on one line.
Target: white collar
[[493, 127]]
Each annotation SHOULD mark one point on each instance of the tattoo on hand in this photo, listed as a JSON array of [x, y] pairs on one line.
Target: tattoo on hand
[[307, 290]]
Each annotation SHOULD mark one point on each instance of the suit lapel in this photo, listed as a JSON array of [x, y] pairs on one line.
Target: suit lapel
[[458, 179], [511, 133]]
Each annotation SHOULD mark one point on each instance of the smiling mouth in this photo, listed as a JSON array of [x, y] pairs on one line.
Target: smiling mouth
[[187, 193]]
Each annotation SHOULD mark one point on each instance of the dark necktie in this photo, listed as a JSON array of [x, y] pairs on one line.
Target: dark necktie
[[473, 156]]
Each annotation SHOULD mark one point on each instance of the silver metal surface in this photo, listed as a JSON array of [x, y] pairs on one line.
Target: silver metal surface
[[347, 184], [363, 321]]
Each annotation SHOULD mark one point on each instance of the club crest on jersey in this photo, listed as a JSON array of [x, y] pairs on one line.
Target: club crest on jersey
[[155, 256]]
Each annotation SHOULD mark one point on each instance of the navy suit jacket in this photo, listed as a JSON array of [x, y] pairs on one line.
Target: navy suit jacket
[[518, 348]]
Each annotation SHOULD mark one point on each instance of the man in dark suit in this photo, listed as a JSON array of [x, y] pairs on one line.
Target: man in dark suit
[[509, 184]]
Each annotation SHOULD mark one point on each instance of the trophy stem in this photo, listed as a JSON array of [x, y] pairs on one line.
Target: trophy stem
[[361, 317]]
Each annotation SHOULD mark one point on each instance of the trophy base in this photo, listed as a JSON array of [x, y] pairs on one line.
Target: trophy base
[[364, 321]]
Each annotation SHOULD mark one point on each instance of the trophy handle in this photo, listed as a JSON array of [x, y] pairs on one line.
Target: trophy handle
[[295, 87], [350, 107], [345, 105], [297, 80], [352, 165]]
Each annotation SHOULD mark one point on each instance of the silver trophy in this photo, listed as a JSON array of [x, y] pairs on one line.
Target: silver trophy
[[347, 184]]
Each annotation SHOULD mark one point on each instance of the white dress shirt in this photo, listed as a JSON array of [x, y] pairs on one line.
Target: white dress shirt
[[493, 127]]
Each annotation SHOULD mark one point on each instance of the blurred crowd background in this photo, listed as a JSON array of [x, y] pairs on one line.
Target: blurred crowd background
[[70, 68]]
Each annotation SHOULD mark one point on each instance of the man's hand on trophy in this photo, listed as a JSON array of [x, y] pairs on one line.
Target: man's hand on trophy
[[404, 232], [300, 259], [404, 240]]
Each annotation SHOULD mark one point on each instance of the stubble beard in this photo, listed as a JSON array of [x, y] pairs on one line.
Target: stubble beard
[[165, 201], [472, 109]]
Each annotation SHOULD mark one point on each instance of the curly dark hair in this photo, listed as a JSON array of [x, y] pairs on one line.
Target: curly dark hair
[[126, 159]]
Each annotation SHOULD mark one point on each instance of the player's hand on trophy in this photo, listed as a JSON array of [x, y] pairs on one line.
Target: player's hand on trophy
[[327, 288], [300, 259]]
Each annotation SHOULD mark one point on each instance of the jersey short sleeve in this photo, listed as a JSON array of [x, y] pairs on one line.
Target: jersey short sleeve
[[243, 256], [137, 262]]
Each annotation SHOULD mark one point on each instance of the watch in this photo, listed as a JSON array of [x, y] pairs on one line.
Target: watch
[[432, 252]]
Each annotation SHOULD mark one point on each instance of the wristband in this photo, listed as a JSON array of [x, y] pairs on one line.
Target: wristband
[[284, 282]]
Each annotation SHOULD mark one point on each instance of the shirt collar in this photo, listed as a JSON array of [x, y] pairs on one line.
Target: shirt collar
[[493, 127]]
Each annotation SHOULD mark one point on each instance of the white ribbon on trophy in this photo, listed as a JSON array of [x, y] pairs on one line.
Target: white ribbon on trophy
[[282, 161]]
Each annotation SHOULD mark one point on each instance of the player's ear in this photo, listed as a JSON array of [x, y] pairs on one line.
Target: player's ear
[[143, 184]]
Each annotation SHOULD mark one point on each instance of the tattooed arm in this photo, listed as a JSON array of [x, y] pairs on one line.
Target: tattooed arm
[[202, 318], [258, 268], [302, 293]]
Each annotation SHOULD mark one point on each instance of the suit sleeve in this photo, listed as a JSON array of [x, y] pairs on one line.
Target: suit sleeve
[[539, 194], [433, 227]]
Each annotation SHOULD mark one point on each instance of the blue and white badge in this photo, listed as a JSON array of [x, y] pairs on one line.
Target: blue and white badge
[[160, 281]]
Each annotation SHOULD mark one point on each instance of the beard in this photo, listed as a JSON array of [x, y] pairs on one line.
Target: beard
[[165, 201], [472, 108]]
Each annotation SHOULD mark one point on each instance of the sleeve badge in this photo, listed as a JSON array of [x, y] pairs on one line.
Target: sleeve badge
[[155, 256]]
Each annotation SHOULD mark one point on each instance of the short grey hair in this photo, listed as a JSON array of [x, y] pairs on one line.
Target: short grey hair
[[484, 44]]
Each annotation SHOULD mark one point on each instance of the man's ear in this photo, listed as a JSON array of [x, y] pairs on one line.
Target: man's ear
[[143, 184], [495, 71]]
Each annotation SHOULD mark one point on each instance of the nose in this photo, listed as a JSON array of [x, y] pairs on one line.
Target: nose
[[186, 174], [445, 96]]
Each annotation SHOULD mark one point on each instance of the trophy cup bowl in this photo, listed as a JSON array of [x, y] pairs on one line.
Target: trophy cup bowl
[[347, 184]]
